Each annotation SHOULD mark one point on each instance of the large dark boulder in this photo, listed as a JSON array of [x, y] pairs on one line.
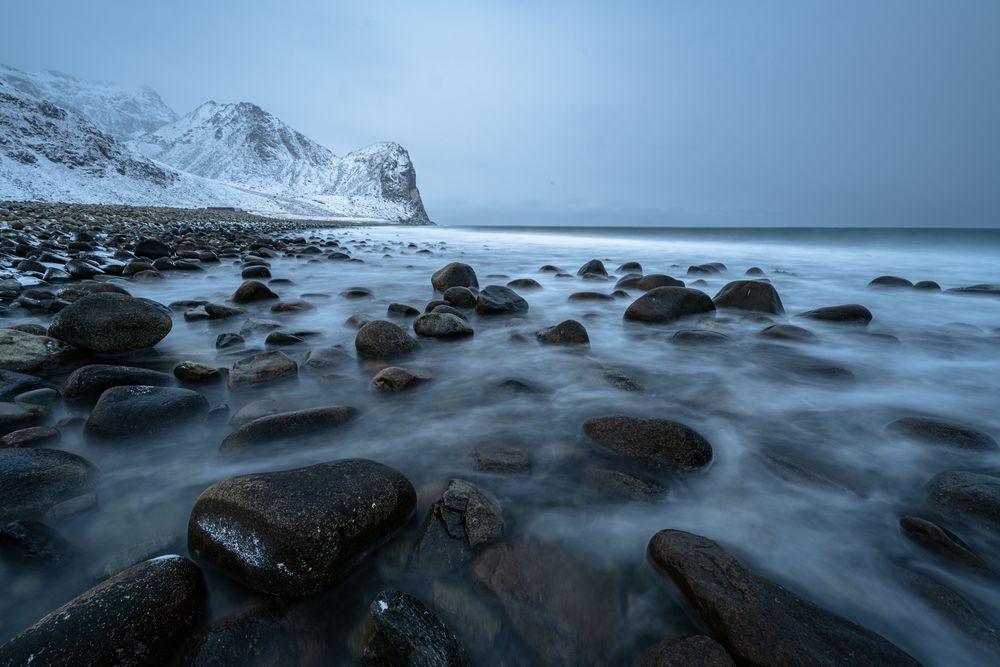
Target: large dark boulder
[[91, 381], [286, 426], [754, 295], [294, 532], [253, 290], [657, 444], [593, 267], [690, 651], [499, 300], [141, 616], [151, 248], [455, 274], [940, 432], [110, 323], [379, 339], [968, 495], [654, 280], [33, 480], [415, 636], [758, 621], [851, 313], [462, 521], [141, 409], [441, 325], [669, 304], [460, 297]]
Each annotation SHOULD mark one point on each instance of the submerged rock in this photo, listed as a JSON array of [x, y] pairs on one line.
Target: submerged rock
[[111, 323], [967, 494], [141, 409], [285, 426], [417, 637], [657, 444], [33, 543], [669, 304], [758, 621], [940, 541], [940, 432], [463, 520], [689, 651], [260, 368], [294, 532], [33, 480], [138, 617], [890, 281], [396, 379], [851, 313]]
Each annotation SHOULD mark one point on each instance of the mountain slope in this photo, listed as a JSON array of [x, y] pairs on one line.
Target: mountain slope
[[117, 110], [241, 143]]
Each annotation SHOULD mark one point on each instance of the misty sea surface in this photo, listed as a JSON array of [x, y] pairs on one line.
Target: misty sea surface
[[807, 486]]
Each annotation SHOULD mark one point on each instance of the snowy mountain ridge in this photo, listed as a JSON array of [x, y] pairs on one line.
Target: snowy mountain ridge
[[217, 155]]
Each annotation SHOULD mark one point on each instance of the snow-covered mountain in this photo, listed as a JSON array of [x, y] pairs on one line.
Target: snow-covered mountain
[[242, 143], [122, 112], [218, 155]]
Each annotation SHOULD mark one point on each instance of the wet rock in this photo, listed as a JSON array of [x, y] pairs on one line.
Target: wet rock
[[595, 267], [282, 338], [395, 379], [401, 310], [292, 306], [549, 268], [698, 337], [295, 532], [654, 280], [460, 297], [758, 621], [141, 616], [631, 266], [968, 495], [669, 304], [568, 333], [498, 300], [33, 480], [711, 269], [93, 380], [253, 290], [501, 459], [142, 409], [151, 248], [356, 293], [657, 444], [261, 368], [629, 281], [622, 486], [524, 283], [220, 311], [940, 541], [33, 543], [953, 607], [463, 520], [689, 651], [229, 340], [327, 357], [851, 313], [563, 609], [30, 437], [984, 289], [287, 426], [754, 295], [455, 274], [940, 432], [110, 323], [26, 353], [192, 371], [13, 383], [619, 379], [755, 271], [43, 396], [590, 296], [19, 415], [441, 325], [788, 332], [252, 272], [379, 339], [443, 309], [416, 635], [255, 410], [927, 285], [890, 281]]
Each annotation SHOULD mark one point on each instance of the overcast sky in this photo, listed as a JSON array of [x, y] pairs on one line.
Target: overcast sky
[[844, 112]]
